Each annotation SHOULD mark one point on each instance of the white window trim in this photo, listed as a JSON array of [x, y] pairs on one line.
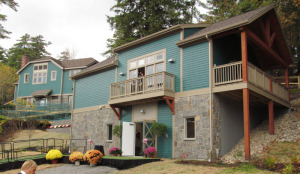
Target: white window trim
[[163, 51], [69, 97], [25, 78], [73, 70], [53, 79], [39, 71], [107, 132], [185, 129]]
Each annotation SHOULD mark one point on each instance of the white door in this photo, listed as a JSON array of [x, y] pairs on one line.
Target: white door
[[128, 139]]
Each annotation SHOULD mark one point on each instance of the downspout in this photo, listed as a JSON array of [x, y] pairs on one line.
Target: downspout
[[210, 90], [72, 112], [61, 86]]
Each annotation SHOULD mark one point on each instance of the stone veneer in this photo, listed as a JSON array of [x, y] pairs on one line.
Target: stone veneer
[[198, 106], [92, 125]]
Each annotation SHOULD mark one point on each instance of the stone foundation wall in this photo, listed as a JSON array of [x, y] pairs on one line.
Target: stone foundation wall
[[93, 125], [198, 106]]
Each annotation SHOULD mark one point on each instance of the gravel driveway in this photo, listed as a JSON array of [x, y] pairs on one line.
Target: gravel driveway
[[71, 168]]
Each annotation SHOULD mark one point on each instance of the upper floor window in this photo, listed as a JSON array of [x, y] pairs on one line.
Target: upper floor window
[[53, 75], [73, 72], [40, 73], [147, 64], [26, 78]]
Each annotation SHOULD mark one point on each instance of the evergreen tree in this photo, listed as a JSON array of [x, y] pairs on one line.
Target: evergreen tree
[[13, 5], [138, 18], [34, 47], [288, 12]]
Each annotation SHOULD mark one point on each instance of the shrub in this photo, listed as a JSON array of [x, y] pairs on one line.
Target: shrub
[[159, 128], [115, 150], [54, 154], [3, 119], [117, 130], [270, 163], [76, 156], [93, 156], [294, 159], [288, 169], [150, 151]]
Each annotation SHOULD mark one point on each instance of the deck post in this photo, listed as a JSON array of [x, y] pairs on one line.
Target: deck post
[[287, 82], [271, 117], [245, 94]]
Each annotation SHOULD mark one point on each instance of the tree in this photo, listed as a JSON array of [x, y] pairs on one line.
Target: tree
[[138, 18], [7, 78], [13, 5], [67, 55], [288, 12], [34, 47]]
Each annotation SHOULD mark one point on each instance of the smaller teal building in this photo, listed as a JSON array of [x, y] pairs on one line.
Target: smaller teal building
[[48, 80]]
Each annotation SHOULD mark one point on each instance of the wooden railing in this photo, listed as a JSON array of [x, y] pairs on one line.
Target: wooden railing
[[232, 73], [161, 81]]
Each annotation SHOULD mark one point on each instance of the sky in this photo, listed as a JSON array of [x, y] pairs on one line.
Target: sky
[[77, 25]]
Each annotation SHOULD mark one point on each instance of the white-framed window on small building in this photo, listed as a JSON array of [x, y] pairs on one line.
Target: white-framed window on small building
[[109, 132], [53, 75], [26, 78], [189, 128], [71, 99]]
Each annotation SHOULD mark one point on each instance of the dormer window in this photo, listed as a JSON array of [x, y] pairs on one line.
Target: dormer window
[[40, 73], [74, 71]]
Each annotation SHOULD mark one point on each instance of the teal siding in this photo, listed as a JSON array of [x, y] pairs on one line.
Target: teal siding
[[164, 145], [172, 51], [126, 116], [93, 90], [67, 83], [16, 92], [195, 67], [26, 89], [190, 31]]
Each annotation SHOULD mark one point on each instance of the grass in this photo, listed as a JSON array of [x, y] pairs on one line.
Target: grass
[[282, 151], [244, 168]]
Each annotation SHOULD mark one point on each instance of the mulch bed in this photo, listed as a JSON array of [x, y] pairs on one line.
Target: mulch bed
[[278, 167]]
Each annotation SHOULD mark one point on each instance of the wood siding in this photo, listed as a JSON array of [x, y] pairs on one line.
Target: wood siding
[[196, 66], [190, 31], [26, 89], [67, 83], [172, 51]]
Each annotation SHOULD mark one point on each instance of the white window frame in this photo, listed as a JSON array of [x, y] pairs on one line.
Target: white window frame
[[146, 63], [53, 78], [107, 132], [185, 128], [38, 72], [27, 74], [75, 71], [70, 99]]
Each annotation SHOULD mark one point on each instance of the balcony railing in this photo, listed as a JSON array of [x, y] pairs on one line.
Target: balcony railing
[[161, 81], [232, 73]]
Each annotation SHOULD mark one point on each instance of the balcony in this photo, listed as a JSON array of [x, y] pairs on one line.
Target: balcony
[[148, 87], [232, 73]]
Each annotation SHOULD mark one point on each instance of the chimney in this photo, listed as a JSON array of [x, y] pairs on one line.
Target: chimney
[[25, 60]]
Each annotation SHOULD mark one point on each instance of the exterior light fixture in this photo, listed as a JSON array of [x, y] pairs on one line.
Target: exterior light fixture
[[171, 60], [122, 74], [142, 111]]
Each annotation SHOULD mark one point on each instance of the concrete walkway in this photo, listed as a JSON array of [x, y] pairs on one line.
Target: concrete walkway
[[72, 169]]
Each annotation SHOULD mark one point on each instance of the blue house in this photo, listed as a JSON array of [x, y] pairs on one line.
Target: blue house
[[47, 80], [209, 83]]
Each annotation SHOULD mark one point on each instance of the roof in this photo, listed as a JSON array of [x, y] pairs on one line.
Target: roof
[[107, 63], [157, 35], [65, 64], [43, 92], [227, 24]]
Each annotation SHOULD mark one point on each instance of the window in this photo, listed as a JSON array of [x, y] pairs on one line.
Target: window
[[148, 64], [26, 78], [40, 74], [189, 128], [109, 132], [74, 71], [71, 99], [53, 75]]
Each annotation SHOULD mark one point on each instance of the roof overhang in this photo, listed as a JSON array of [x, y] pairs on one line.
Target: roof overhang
[[41, 93], [41, 61], [157, 35], [88, 72]]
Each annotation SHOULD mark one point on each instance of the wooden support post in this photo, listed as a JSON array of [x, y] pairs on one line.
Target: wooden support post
[[246, 123], [244, 55], [271, 84], [171, 103], [117, 112], [271, 117], [287, 82]]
